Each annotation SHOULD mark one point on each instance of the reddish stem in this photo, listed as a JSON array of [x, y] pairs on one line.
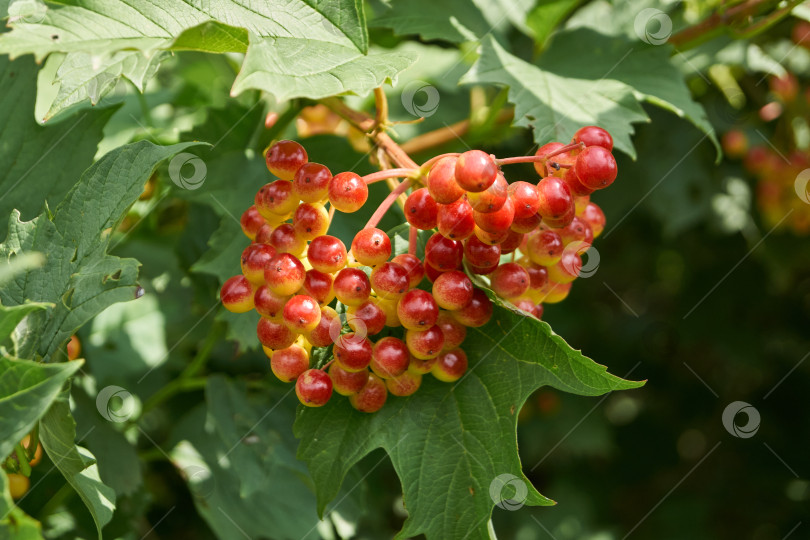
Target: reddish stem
[[386, 204], [429, 163], [412, 239], [390, 173]]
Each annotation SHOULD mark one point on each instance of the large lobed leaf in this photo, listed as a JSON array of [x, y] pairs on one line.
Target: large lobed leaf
[[449, 443]]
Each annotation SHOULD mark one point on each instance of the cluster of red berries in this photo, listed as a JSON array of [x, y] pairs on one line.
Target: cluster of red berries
[[293, 270]]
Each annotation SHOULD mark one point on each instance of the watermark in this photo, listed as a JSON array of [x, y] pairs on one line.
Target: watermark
[[115, 404], [572, 259], [182, 162], [424, 109], [358, 326], [751, 425], [199, 480], [519, 492], [800, 185], [653, 26], [27, 11]]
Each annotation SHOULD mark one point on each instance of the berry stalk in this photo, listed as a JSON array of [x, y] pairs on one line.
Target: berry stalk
[[386, 204], [390, 173], [538, 159]]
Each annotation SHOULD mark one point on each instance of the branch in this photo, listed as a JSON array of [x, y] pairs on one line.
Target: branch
[[721, 20]]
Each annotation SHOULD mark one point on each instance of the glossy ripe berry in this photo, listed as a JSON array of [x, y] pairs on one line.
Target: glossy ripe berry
[[557, 223], [351, 286], [421, 210], [318, 285], [389, 358], [327, 254], [413, 266], [483, 270], [302, 313], [491, 238], [567, 269], [389, 280], [553, 292], [321, 335], [450, 366], [269, 304], [237, 294], [498, 221], [352, 351], [475, 171], [455, 220], [284, 158], [477, 312], [492, 198], [368, 318], [441, 181], [578, 189], [453, 331], [345, 382], [251, 221], [286, 240], [526, 225], [545, 248], [538, 275], [275, 199], [425, 344], [452, 290], [389, 307], [525, 199], [509, 280], [593, 216], [419, 366], [254, 258], [371, 247], [442, 253], [288, 364], [512, 242], [284, 274], [555, 198], [404, 385], [347, 192], [274, 335], [417, 310], [477, 253], [310, 220], [371, 397], [311, 182], [576, 231], [313, 388], [264, 233], [596, 167], [565, 158], [431, 273], [74, 349], [594, 136]]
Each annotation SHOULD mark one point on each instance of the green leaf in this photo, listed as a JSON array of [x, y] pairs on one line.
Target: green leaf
[[450, 443], [26, 391], [79, 276], [213, 37], [57, 434], [39, 164], [546, 16], [10, 316], [288, 68], [558, 96]]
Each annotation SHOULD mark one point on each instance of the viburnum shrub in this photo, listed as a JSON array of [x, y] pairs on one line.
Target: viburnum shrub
[[391, 320]]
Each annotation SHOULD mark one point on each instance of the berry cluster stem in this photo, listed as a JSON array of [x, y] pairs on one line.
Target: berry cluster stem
[[390, 173], [412, 240], [386, 204], [536, 159]]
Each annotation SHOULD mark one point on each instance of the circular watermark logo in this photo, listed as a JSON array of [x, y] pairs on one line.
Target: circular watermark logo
[[27, 11], [180, 163], [508, 492], [423, 109], [358, 326], [572, 259], [800, 185], [751, 425], [115, 404], [653, 26]]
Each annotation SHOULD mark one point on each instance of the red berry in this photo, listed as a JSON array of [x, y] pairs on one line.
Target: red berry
[[475, 171], [576, 231], [450, 365], [269, 304], [509, 280], [424, 344], [566, 158], [512, 242], [352, 286], [442, 253], [567, 268], [389, 358], [413, 266], [490, 199], [284, 274], [483, 270], [311, 182], [596, 167], [555, 198], [525, 199], [441, 181], [274, 335], [389, 280], [352, 351], [417, 310], [74, 349], [452, 290], [313, 388], [251, 222], [554, 292], [347, 192], [284, 158], [545, 248], [318, 285], [286, 240], [526, 225], [481, 254], [302, 313], [419, 366], [455, 220], [327, 254], [237, 294], [431, 273], [366, 319], [310, 220], [477, 312], [498, 221], [371, 247], [371, 397], [288, 364], [453, 331], [275, 199], [405, 384], [538, 275], [254, 258], [489, 237], [421, 210], [321, 335], [345, 382], [594, 136], [593, 216], [558, 223]]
